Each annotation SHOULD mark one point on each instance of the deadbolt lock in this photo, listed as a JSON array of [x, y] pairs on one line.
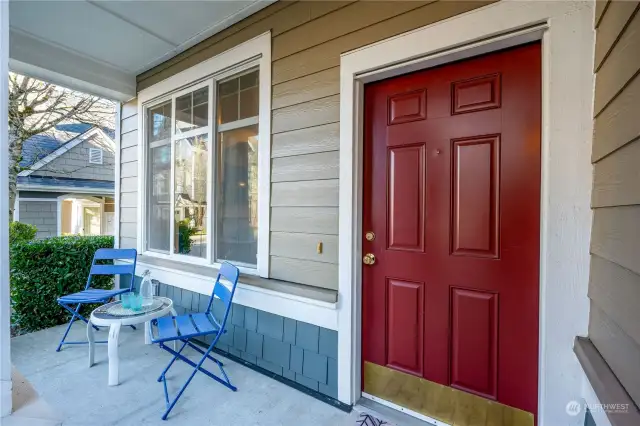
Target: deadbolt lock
[[369, 259], [370, 236]]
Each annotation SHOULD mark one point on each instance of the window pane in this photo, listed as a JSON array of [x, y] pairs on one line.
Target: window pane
[[228, 108], [190, 213], [237, 196], [249, 103], [192, 110], [238, 98], [159, 201], [249, 80], [159, 122], [228, 87]]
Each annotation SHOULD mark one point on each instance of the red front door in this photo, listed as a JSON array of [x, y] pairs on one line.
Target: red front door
[[452, 196]]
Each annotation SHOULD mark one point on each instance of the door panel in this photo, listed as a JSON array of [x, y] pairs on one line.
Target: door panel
[[405, 306], [407, 107], [406, 198], [452, 193], [474, 341], [476, 188], [476, 94]]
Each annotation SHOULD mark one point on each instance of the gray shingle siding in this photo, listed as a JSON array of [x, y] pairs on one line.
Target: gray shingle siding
[[300, 352], [75, 162], [42, 214]]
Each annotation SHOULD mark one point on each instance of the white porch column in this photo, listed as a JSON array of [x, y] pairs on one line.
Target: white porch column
[[5, 332]]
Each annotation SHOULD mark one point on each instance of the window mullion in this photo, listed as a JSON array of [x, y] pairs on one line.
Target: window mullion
[[211, 181], [244, 122], [191, 133], [172, 185]]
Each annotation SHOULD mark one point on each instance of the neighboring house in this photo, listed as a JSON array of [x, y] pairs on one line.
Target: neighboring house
[[67, 184], [408, 189]]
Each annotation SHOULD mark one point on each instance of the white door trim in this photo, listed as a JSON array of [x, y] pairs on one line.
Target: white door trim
[[568, 83]]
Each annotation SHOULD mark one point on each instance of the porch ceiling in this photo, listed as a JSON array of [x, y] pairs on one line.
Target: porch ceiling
[[100, 46]]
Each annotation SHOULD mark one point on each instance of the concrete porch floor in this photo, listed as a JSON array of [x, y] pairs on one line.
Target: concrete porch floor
[[82, 396]]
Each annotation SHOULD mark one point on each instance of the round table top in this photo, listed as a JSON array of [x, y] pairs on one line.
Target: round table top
[[101, 316]]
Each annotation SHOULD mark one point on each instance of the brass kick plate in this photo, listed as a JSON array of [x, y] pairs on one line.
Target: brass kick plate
[[442, 403]]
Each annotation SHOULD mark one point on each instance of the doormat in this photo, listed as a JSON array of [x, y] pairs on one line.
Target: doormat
[[368, 420]]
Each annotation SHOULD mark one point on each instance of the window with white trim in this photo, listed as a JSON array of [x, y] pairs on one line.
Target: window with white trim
[[201, 198]]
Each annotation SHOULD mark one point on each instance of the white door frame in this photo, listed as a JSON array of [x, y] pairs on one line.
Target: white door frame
[[79, 201], [566, 31]]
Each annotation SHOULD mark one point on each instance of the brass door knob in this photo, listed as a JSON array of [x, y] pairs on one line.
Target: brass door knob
[[369, 259]]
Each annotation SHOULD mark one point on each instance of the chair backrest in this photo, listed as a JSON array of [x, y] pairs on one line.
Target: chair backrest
[[114, 254], [231, 274]]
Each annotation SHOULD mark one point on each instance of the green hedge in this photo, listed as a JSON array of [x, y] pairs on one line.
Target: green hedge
[[43, 270], [21, 232]]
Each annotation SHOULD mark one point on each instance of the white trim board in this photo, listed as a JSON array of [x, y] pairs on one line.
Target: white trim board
[[5, 297], [118, 169], [53, 200], [16, 207], [94, 131], [74, 189], [254, 52], [592, 402], [568, 83], [322, 314]]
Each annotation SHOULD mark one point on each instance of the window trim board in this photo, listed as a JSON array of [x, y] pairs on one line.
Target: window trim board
[[312, 311], [254, 52]]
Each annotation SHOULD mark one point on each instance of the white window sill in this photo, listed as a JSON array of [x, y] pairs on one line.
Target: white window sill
[[300, 302], [185, 262]]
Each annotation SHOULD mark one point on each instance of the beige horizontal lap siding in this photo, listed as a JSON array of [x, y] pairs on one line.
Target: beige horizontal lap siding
[[129, 175], [308, 39], [614, 287]]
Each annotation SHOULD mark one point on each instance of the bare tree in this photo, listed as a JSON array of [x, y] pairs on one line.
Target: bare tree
[[38, 107]]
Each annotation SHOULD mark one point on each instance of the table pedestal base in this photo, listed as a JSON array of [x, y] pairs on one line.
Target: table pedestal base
[[114, 334]]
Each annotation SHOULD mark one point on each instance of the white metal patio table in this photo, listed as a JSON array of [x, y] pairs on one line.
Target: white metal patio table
[[115, 316]]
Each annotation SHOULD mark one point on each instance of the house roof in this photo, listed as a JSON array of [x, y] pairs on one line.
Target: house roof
[[47, 183], [39, 146], [62, 148]]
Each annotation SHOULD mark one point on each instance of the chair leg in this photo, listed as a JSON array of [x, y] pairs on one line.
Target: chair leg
[[196, 367], [197, 349], [177, 354], [73, 319], [173, 403], [75, 314]]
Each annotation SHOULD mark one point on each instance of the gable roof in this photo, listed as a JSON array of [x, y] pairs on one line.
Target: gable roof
[[62, 147], [39, 146]]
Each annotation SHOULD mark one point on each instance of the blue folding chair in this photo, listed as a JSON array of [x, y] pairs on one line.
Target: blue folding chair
[[94, 295], [183, 328]]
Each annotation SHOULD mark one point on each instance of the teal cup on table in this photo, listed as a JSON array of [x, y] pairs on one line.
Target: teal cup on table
[[136, 302], [126, 300]]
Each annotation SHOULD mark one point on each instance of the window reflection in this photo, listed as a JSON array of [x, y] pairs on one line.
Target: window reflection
[[192, 110], [159, 194], [237, 195], [190, 207]]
